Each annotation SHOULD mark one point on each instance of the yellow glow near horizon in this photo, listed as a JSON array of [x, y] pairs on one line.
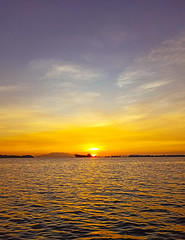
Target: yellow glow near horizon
[[162, 134], [68, 112], [93, 155], [93, 149]]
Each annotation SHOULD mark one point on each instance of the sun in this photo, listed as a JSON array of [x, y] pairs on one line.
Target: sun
[[93, 151]]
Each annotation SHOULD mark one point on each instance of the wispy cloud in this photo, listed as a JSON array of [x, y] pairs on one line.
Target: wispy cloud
[[64, 85], [154, 85], [48, 91], [10, 88], [46, 80], [155, 79], [64, 73]]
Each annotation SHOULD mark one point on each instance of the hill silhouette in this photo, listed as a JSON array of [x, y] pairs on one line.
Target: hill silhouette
[[57, 155], [16, 156]]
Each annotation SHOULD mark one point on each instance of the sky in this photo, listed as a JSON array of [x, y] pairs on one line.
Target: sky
[[84, 74]]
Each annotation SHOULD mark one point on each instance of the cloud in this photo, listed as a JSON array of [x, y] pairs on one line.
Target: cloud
[[64, 74], [48, 91], [171, 52], [157, 79], [132, 75], [70, 74], [63, 85], [10, 88], [46, 80], [154, 85]]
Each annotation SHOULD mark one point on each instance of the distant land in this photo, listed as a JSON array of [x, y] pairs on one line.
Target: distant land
[[57, 155], [16, 156], [69, 155], [170, 155]]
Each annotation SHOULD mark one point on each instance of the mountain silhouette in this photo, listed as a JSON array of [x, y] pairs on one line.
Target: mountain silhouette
[[57, 155]]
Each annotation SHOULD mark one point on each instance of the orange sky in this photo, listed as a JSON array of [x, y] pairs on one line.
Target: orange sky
[[155, 136], [111, 76]]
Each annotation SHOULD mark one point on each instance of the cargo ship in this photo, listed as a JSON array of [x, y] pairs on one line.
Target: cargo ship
[[83, 156]]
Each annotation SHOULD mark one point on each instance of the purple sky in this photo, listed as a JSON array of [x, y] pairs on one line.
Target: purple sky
[[68, 30], [90, 62]]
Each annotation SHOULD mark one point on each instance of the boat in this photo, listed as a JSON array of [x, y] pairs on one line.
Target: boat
[[83, 156]]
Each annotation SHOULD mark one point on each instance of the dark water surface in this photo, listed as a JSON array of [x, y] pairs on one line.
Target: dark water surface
[[123, 198]]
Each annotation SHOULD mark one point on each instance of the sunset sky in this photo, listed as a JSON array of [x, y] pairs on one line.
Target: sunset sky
[[82, 74]]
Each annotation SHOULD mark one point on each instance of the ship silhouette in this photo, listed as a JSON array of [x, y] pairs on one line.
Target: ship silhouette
[[83, 156]]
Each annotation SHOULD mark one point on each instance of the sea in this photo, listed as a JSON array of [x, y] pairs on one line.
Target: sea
[[92, 198]]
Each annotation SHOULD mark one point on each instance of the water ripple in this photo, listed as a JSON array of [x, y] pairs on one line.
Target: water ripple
[[92, 199]]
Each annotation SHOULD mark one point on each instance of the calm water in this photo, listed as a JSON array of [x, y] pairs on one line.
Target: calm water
[[123, 198]]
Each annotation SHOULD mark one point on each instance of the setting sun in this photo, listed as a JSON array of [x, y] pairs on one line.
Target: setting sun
[[93, 154]]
